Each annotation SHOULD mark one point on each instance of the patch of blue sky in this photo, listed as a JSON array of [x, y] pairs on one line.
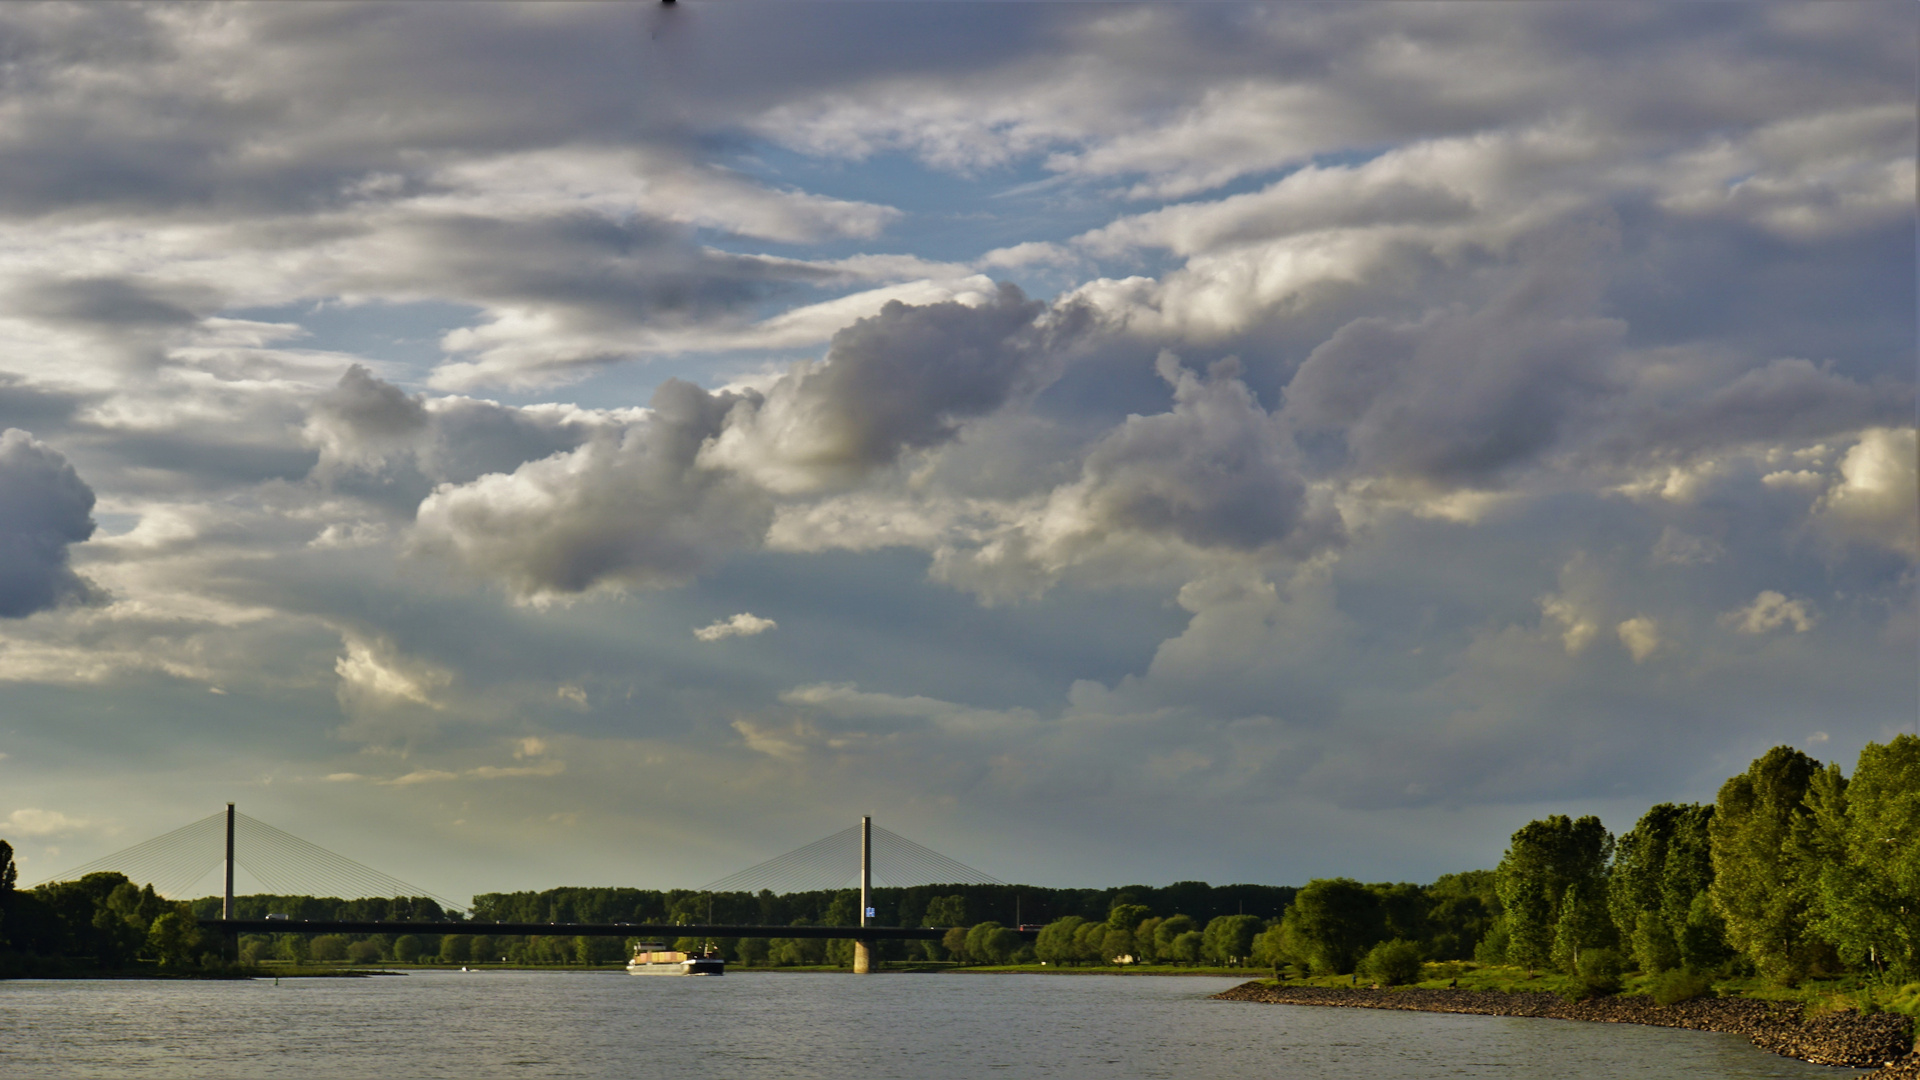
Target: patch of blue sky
[[400, 342]]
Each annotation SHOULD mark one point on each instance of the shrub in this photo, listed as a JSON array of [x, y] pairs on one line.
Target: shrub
[[364, 952], [1596, 974], [1678, 985], [1392, 963]]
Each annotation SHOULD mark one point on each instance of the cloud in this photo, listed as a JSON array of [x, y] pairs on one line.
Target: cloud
[[902, 380], [479, 772], [374, 673], [1771, 611], [745, 624], [1459, 398], [35, 823], [1877, 499], [636, 509], [44, 509], [1641, 636]]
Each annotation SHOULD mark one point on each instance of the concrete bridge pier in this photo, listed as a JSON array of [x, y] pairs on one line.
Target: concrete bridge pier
[[862, 956]]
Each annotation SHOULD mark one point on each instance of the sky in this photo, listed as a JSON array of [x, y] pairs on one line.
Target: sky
[[524, 445]]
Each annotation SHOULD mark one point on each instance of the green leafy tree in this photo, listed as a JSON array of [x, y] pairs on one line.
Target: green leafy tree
[[456, 948], [407, 948], [1270, 948], [1759, 887], [1461, 909], [1392, 963], [1653, 944], [1167, 932], [1583, 925], [1332, 923], [1055, 943], [1229, 938], [1863, 844], [1543, 859], [174, 939], [1187, 947], [946, 911]]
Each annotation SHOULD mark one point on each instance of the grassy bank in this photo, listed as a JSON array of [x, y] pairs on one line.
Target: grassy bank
[[1852, 993]]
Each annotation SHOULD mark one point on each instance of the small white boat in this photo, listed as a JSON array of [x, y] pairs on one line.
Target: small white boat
[[653, 958]]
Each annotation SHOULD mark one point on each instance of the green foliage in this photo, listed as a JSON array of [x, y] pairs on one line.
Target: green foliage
[[1678, 985], [1862, 844], [945, 911], [1392, 963], [456, 948], [1758, 885], [1332, 924], [1583, 925], [1653, 945], [1599, 972], [1461, 909], [1492, 949], [1544, 860], [407, 948], [1229, 938], [174, 940]]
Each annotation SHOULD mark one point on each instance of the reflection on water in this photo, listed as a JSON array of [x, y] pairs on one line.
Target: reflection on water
[[539, 1024]]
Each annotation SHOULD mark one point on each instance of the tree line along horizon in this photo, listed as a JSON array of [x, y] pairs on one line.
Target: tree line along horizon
[[1795, 870]]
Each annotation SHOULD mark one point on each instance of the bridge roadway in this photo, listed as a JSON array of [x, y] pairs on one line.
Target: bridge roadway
[[641, 930]]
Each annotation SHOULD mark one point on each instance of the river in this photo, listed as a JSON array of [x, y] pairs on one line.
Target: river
[[755, 1025]]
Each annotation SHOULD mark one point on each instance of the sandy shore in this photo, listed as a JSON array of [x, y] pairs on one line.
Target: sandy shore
[[1882, 1041]]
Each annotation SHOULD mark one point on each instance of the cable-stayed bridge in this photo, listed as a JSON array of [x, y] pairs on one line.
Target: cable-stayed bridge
[[859, 855]]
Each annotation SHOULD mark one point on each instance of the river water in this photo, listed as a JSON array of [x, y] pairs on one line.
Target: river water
[[754, 1025]]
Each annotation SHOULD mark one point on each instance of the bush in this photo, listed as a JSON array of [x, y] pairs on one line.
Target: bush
[[1392, 963], [1678, 985], [1596, 973], [364, 952]]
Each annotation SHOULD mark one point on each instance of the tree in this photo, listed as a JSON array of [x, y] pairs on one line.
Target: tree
[[1270, 949], [1583, 924], [1758, 884], [174, 939], [456, 948], [1461, 909], [1055, 945], [1332, 923], [1229, 938], [407, 948], [1393, 963], [1543, 859], [1863, 844], [1169, 931], [946, 911]]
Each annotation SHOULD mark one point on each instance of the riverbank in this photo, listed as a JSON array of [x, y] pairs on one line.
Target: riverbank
[[1880, 1041]]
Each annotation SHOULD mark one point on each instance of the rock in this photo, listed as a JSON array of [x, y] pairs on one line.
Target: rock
[[1846, 1038]]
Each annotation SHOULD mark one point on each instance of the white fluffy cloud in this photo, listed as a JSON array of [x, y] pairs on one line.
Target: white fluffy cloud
[[745, 624]]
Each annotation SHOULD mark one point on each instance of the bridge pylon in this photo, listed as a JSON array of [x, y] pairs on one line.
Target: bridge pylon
[[862, 955]]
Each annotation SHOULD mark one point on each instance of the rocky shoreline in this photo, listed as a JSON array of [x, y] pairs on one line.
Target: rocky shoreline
[[1881, 1041]]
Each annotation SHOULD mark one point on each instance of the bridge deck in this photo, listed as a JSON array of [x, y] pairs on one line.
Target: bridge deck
[[641, 930]]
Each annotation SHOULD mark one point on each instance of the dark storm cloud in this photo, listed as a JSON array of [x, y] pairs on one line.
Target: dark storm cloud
[[44, 508]]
